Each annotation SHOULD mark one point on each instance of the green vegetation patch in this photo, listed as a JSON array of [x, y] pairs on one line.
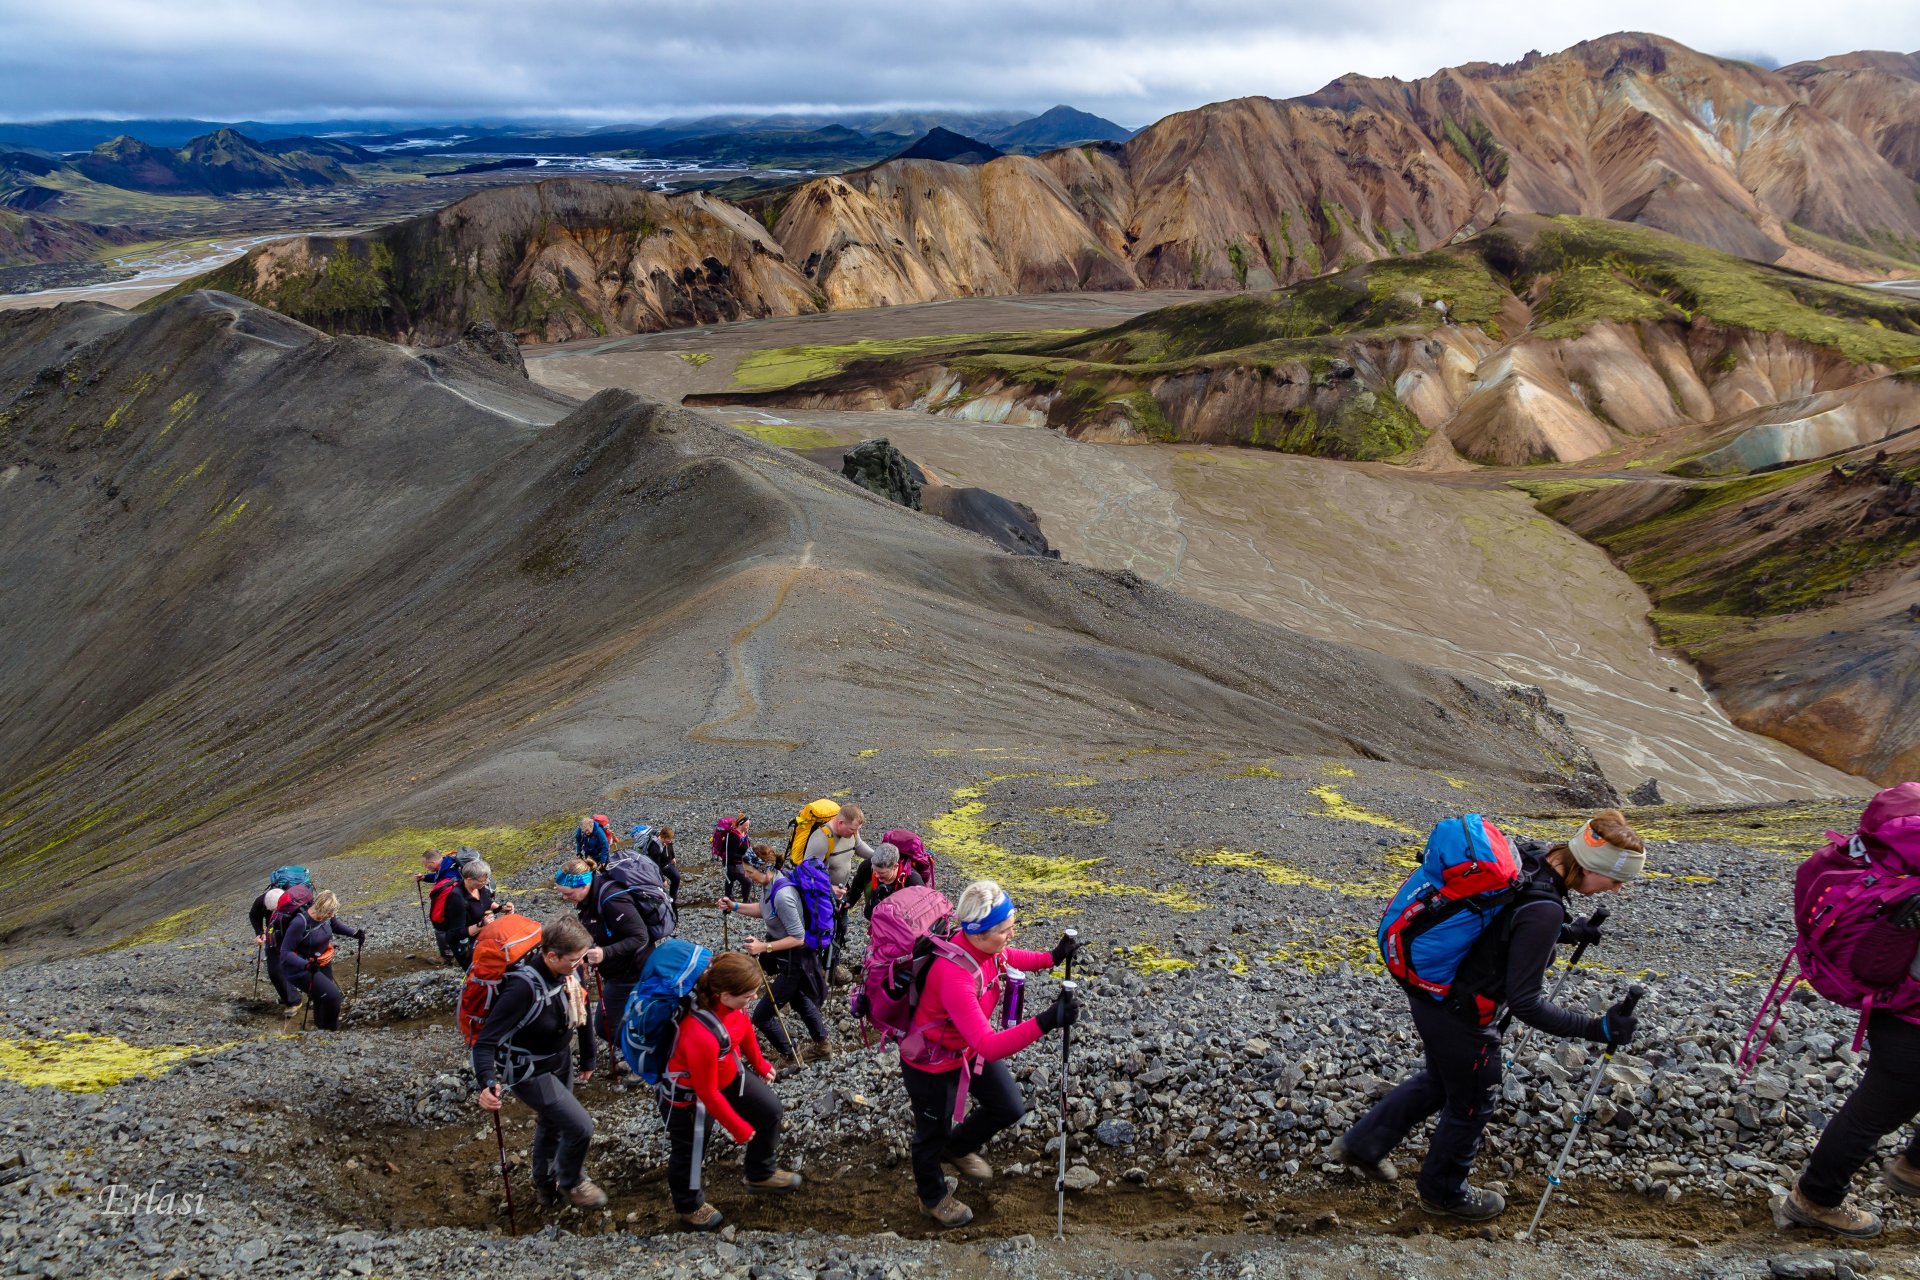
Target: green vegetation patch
[[83, 1063], [778, 368], [787, 435]]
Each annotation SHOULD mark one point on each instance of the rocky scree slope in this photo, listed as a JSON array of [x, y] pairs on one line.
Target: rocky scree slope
[[1537, 340], [1223, 1047], [270, 592], [1247, 193]]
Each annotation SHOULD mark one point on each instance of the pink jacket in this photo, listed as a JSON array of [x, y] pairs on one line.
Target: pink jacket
[[959, 1022]]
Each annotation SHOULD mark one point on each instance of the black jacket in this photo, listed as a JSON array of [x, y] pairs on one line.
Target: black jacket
[[617, 928], [543, 1043], [464, 911], [1507, 965], [875, 893]]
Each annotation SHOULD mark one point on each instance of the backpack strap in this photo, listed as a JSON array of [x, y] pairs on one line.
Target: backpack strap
[[514, 1064], [672, 1091]]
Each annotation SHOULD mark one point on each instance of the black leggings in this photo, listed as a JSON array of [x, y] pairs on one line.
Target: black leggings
[[739, 888], [671, 874], [325, 995], [996, 1105], [1888, 1096], [689, 1126], [800, 986], [562, 1129], [1460, 1081]]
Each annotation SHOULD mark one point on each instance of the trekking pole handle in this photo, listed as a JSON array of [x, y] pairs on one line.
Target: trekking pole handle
[[1075, 935], [1634, 993]]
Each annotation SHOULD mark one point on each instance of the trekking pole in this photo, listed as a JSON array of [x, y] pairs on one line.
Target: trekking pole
[[420, 892], [258, 949], [1598, 918], [1066, 1046], [506, 1177], [359, 944], [1580, 1117]]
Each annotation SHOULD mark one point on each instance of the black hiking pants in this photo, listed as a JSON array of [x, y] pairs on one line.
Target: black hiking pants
[[671, 874], [995, 1104], [1459, 1082], [739, 888], [797, 984], [282, 985], [688, 1128], [613, 1004], [1888, 1096], [562, 1129], [324, 993]]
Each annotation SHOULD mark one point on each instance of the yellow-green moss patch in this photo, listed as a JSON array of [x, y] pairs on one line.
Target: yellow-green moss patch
[[1275, 872], [1337, 805], [82, 1063], [785, 435], [1146, 958], [1081, 814]]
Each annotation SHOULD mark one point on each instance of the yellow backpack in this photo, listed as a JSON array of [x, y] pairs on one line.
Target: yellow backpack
[[804, 825]]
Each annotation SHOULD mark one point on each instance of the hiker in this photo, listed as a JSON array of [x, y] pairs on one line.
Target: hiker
[[526, 1045], [1887, 1097], [591, 841], [1504, 967], [706, 1080], [659, 847], [834, 843], [878, 877], [733, 845], [267, 938], [1857, 944], [306, 955], [798, 911], [961, 1056], [619, 946], [470, 909], [429, 872]]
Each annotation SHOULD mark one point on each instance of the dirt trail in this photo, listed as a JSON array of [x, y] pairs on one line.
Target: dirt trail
[[1460, 572]]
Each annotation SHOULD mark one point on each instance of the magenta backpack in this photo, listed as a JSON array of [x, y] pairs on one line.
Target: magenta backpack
[[722, 836], [1844, 946], [913, 853]]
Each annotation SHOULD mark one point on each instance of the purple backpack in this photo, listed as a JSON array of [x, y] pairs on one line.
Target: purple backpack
[[913, 853], [1845, 948]]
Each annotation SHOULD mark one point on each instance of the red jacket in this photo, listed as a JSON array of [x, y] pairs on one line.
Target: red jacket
[[697, 1064], [949, 1000]]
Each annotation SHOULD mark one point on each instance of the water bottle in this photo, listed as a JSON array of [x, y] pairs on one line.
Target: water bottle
[[1013, 1001]]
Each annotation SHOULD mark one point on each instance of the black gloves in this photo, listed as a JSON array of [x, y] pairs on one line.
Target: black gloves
[[1618, 1027], [1582, 932], [1066, 949], [1063, 1012]]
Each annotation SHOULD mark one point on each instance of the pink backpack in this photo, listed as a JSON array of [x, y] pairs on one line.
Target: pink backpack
[[913, 853], [1844, 948]]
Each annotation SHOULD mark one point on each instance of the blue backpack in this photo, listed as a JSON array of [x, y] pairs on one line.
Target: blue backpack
[[651, 1021], [287, 877], [1468, 872], [453, 864], [816, 900]]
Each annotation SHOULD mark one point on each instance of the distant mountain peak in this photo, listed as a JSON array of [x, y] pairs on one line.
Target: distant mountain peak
[[955, 148]]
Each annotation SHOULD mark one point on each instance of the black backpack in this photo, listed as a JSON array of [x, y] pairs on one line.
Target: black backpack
[[636, 875]]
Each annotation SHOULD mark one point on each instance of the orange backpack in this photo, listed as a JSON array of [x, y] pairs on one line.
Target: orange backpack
[[500, 946]]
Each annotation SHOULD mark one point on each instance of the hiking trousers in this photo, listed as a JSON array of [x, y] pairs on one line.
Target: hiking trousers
[[613, 1004], [282, 985], [739, 888], [1887, 1097], [1459, 1082], [996, 1105], [799, 985], [689, 1127], [324, 992], [562, 1129]]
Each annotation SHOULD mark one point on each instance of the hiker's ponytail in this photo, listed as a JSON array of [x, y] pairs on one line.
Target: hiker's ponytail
[[731, 973]]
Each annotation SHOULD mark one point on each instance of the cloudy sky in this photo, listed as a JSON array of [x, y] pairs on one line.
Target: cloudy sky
[[600, 60]]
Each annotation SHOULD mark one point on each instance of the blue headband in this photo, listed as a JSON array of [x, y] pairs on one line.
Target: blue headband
[[573, 880], [1001, 913]]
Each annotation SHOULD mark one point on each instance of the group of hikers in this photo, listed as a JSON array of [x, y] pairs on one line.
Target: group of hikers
[[1470, 939]]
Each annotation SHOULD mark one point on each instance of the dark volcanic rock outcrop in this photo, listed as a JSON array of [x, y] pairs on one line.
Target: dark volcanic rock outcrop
[[270, 593]]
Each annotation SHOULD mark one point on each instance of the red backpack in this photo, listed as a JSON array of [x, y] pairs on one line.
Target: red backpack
[[605, 824], [292, 903], [437, 912], [1845, 947]]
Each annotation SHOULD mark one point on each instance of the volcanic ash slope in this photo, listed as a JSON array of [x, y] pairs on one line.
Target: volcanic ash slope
[[272, 592]]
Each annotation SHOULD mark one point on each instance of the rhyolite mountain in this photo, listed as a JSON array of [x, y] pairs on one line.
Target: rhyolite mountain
[[1257, 191], [271, 593]]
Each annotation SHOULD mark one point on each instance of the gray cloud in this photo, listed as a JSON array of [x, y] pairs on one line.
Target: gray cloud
[[606, 60]]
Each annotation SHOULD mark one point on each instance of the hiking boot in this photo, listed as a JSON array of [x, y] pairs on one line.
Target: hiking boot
[[840, 976], [293, 1010], [1842, 1220], [778, 1182], [818, 1051], [584, 1195], [789, 1061], [1382, 1170], [1473, 1204], [970, 1167], [949, 1212], [1902, 1177], [705, 1218], [617, 1082], [549, 1193]]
